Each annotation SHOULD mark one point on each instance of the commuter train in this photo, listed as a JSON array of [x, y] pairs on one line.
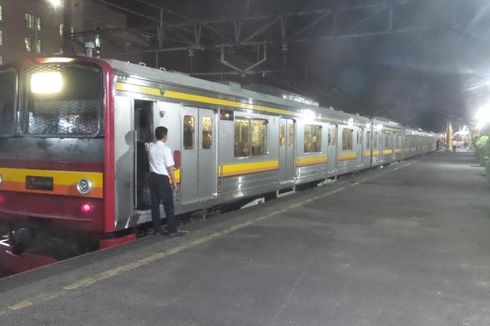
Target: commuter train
[[74, 172]]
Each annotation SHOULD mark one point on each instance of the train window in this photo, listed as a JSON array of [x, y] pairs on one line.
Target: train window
[[398, 141], [332, 136], [291, 135], [242, 137], [347, 135], [189, 129], [250, 137], [226, 115], [313, 139], [63, 100], [368, 140], [259, 136], [282, 136], [8, 86], [375, 140], [207, 132]]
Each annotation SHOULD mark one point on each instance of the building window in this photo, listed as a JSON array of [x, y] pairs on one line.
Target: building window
[[189, 130], [250, 137], [38, 23], [28, 44], [1, 12], [207, 132], [30, 20], [313, 139], [347, 139], [1, 59], [38, 46], [1, 37]]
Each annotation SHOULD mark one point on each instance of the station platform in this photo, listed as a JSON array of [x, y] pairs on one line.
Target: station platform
[[408, 244]]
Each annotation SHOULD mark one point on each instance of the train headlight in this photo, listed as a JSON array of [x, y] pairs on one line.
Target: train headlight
[[46, 83], [84, 186]]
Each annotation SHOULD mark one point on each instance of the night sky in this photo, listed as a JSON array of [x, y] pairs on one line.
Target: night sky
[[420, 78]]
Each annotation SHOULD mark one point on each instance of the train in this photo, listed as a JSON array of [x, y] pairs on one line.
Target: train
[[74, 172]]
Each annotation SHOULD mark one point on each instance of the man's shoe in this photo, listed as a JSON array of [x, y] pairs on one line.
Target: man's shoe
[[179, 233]]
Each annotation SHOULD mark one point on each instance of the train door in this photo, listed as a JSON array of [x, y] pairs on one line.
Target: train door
[[332, 148], [367, 143], [143, 130], [287, 133], [359, 146], [198, 177]]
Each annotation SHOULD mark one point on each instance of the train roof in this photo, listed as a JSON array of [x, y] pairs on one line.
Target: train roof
[[141, 72]]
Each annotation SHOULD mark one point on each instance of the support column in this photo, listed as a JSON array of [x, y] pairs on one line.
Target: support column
[[449, 136]]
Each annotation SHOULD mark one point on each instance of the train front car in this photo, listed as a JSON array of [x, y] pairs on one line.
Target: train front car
[[52, 154]]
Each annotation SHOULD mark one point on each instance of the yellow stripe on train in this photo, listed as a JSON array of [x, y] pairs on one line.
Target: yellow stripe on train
[[346, 156], [311, 160], [64, 182], [229, 170]]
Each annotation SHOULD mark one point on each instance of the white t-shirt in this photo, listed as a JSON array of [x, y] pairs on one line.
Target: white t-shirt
[[160, 157]]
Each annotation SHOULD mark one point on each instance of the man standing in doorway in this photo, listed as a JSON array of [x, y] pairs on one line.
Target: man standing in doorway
[[162, 182]]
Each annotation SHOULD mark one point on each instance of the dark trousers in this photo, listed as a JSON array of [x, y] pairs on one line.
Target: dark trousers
[[161, 192]]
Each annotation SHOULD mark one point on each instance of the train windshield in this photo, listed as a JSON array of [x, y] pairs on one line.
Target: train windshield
[[8, 94], [63, 101]]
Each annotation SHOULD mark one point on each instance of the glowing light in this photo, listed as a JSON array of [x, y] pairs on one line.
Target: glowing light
[[378, 127], [50, 82], [368, 125], [350, 122], [482, 116], [56, 60], [462, 132], [308, 115], [55, 3], [86, 208]]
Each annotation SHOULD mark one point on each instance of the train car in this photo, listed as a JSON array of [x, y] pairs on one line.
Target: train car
[[73, 169], [392, 135]]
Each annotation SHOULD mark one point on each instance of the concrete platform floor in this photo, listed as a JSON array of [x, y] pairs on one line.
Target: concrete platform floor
[[404, 245]]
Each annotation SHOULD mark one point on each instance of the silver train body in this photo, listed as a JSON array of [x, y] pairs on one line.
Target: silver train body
[[235, 143]]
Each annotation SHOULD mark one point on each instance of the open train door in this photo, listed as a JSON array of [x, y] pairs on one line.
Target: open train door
[[287, 132], [199, 161]]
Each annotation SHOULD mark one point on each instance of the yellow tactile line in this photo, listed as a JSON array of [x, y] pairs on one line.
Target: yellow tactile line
[[86, 282]]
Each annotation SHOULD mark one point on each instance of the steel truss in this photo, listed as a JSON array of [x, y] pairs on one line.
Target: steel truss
[[273, 31]]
